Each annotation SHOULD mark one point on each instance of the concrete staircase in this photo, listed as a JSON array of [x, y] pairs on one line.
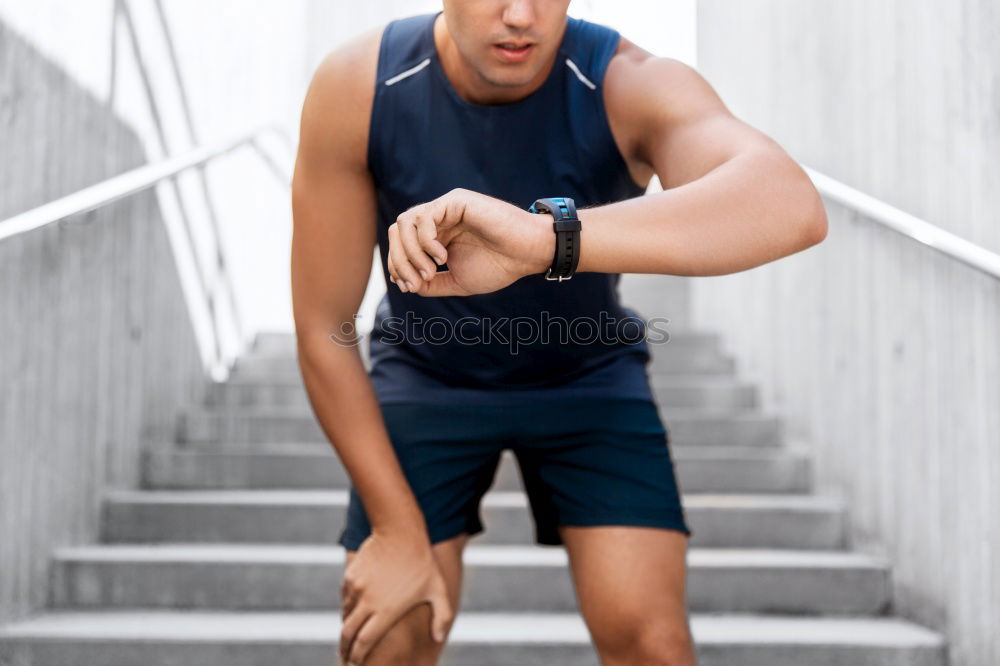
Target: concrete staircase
[[227, 555]]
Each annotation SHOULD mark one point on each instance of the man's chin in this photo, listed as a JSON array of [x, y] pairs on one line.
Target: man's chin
[[506, 78]]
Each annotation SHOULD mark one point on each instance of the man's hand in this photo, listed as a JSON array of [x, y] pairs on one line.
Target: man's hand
[[389, 575], [487, 244]]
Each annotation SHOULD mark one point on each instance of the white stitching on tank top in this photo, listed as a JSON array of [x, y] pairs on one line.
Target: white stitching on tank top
[[576, 70], [410, 72]]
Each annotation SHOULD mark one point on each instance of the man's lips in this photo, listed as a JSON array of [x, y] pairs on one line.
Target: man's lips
[[513, 51]]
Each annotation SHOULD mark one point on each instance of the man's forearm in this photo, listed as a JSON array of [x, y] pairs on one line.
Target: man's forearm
[[753, 209], [345, 405]]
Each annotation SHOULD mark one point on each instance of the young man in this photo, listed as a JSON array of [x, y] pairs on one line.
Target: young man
[[433, 136]]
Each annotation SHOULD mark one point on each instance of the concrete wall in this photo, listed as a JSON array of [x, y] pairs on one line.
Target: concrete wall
[[96, 346], [241, 66], [882, 353]]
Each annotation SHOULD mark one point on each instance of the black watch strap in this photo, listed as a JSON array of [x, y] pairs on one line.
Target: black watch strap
[[567, 229]]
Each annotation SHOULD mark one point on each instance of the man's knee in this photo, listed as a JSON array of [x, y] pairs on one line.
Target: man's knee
[[409, 641], [645, 641]]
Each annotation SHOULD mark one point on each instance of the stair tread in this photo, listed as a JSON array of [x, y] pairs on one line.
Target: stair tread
[[492, 498], [311, 450], [469, 627], [475, 554], [297, 412], [671, 379]]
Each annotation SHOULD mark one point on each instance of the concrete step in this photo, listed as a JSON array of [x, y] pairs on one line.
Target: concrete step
[[316, 517], [702, 362], [496, 578], [708, 469], [695, 391], [687, 427], [706, 392], [156, 638]]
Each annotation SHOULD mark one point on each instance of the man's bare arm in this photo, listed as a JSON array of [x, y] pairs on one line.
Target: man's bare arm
[[733, 199], [334, 211], [333, 204]]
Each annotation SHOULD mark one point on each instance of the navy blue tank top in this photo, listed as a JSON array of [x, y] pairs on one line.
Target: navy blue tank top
[[534, 339]]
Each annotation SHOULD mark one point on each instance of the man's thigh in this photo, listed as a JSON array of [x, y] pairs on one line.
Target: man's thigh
[[631, 587], [409, 641]]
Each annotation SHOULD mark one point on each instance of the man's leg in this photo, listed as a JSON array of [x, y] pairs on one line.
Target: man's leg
[[409, 641], [631, 586]]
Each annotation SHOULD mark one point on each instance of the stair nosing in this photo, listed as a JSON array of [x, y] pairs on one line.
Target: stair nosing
[[475, 554], [470, 627]]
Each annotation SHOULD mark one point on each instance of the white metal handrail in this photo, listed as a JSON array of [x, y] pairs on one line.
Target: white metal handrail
[[126, 184], [143, 178], [909, 225]]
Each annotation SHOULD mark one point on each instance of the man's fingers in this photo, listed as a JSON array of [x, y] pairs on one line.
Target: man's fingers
[[427, 233], [348, 601], [367, 636], [350, 628], [442, 613], [390, 266], [416, 243], [392, 270], [349, 594], [413, 247], [405, 272]]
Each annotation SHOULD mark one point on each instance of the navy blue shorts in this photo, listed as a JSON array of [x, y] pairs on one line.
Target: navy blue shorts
[[583, 462]]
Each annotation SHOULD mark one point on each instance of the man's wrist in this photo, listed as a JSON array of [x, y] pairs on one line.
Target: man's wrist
[[404, 526], [401, 516], [590, 219], [543, 245]]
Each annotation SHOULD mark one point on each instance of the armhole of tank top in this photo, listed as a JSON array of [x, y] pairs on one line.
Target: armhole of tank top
[[371, 159], [602, 112]]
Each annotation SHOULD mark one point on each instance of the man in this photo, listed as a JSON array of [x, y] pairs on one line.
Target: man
[[432, 136]]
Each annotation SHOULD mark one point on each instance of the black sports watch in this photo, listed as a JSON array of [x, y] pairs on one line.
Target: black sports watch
[[567, 227]]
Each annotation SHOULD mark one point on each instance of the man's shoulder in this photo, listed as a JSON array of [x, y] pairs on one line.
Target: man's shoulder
[[642, 94], [335, 114], [631, 61], [350, 66], [638, 82], [355, 62]]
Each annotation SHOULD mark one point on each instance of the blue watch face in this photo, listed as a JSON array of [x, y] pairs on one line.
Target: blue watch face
[[561, 202]]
